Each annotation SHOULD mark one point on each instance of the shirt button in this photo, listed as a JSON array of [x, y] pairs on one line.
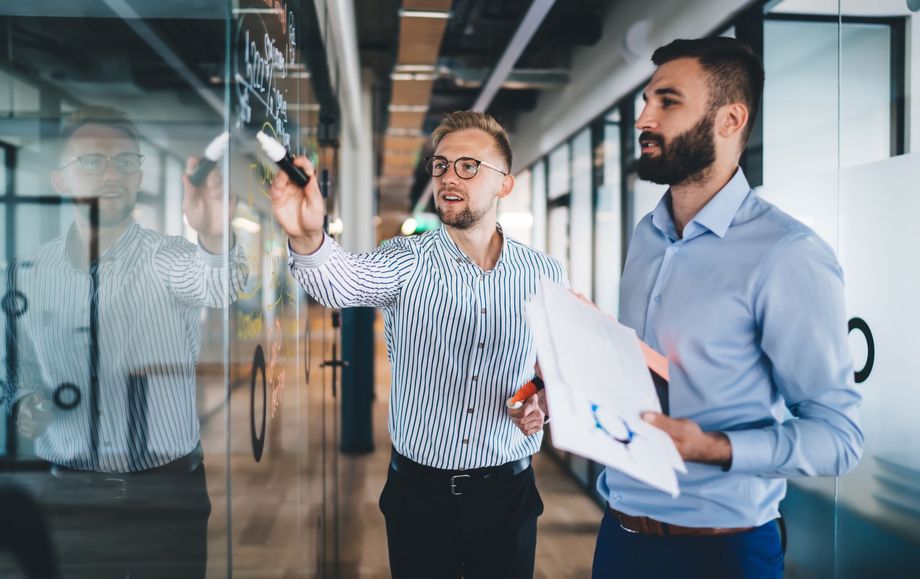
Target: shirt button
[[459, 260], [483, 310], [657, 299], [466, 441], [469, 410], [481, 345], [475, 378], [675, 248], [616, 498]]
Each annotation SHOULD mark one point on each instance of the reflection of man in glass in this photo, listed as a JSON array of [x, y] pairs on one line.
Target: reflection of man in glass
[[108, 349]]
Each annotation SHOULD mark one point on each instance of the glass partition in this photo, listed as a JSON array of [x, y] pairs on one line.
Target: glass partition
[[878, 505], [167, 407], [836, 156]]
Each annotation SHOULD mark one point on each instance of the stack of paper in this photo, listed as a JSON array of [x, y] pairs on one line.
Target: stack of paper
[[597, 386]]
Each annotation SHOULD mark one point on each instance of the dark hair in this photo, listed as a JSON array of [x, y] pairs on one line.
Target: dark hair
[[735, 72], [461, 120]]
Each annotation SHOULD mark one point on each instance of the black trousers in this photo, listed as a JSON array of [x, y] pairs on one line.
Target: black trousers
[[152, 524], [489, 532]]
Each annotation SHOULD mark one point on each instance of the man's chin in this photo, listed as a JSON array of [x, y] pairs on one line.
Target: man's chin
[[457, 220]]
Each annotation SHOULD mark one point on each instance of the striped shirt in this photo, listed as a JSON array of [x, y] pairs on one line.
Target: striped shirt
[[149, 292], [457, 340]]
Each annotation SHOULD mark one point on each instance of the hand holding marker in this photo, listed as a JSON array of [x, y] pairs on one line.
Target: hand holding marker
[[279, 155], [526, 391], [212, 154]]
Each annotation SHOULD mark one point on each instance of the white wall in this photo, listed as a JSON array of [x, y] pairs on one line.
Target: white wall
[[356, 172]]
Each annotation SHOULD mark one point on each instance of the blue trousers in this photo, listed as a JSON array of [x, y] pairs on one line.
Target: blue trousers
[[756, 554]]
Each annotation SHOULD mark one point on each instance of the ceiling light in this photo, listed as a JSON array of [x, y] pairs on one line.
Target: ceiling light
[[408, 226], [408, 108], [409, 76], [424, 14], [401, 132], [245, 224], [414, 68]]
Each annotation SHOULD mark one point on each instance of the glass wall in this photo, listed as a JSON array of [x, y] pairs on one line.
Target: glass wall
[[608, 226], [836, 156], [165, 412], [515, 212]]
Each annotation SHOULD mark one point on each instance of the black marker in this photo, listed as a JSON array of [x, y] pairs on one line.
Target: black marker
[[212, 154], [277, 153]]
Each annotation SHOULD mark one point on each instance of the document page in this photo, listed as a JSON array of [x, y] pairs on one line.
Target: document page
[[597, 386]]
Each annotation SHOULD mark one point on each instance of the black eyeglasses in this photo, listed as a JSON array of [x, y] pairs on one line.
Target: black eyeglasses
[[96, 164], [464, 167]]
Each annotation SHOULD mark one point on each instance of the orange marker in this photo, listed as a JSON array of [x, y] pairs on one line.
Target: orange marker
[[525, 392]]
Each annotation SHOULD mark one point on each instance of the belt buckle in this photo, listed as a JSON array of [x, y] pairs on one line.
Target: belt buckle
[[453, 484]]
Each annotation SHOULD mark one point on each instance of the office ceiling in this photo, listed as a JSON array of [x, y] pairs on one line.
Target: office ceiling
[[425, 66]]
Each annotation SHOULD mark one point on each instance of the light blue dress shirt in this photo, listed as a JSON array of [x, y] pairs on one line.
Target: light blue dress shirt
[[748, 307]]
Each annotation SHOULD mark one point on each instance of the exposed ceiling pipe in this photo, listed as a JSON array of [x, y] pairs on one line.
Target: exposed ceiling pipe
[[522, 37]]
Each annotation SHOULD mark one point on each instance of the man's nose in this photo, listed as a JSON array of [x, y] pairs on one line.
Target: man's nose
[[111, 170], [646, 120]]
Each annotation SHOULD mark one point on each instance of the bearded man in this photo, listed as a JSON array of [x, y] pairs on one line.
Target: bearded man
[[747, 304]]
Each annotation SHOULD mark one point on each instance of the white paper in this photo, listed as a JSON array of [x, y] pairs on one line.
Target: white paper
[[597, 386]]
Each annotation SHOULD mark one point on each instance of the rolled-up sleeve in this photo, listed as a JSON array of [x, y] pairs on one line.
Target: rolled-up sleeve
[[800, 311]]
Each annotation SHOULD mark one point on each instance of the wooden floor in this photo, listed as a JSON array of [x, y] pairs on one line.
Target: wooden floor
[[270, 538]]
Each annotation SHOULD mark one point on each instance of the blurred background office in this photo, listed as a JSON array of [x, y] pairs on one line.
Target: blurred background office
[[286, 400]]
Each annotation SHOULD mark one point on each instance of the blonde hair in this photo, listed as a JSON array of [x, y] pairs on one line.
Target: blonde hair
[[462, 120]]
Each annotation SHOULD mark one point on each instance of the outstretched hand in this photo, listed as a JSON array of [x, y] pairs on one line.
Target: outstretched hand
[[204, 208], [299, 210]]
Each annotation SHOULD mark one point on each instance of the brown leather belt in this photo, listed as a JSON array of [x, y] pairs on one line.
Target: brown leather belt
[[649, 526]]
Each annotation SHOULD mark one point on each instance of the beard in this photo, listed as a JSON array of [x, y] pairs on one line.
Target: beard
[[684, 159], [109, 211], [464, 219]]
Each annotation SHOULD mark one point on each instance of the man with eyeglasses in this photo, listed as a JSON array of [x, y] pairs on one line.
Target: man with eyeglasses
[[108, 341], [460, 497]]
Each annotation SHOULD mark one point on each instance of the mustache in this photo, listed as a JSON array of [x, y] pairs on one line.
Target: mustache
[[650, 136], [448, 189]]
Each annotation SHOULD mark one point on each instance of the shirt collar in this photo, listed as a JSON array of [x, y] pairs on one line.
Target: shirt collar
[[716, 216], [117, 250], [454, 252]]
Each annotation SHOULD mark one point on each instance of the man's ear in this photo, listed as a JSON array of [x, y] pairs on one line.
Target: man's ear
[[58, 181], [732, 120], [507, 186]]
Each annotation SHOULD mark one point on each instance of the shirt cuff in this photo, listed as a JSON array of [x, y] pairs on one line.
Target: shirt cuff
[[751, 451], [312, 260]]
